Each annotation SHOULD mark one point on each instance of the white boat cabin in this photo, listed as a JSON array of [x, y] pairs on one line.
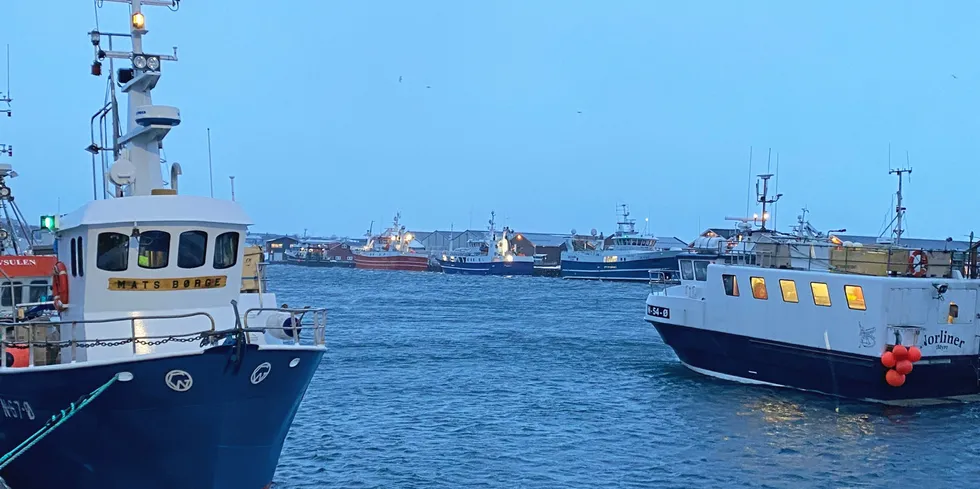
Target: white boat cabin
[[150, 256], [844, 311]]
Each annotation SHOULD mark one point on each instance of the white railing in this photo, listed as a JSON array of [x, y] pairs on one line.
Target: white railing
[[74, 343], [294, 325]]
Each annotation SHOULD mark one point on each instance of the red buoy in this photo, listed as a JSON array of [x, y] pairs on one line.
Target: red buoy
[[888, 359], [915, 354], [18, 357], [903, 367], [894, 378], [900, 352]]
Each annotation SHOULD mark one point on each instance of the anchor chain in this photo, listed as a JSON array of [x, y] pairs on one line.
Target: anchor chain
[[205, 338]]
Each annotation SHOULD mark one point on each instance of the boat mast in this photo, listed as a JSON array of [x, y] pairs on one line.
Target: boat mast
[[137, 168], [626, 226], [899, 209], [763, 197], [6, 99]]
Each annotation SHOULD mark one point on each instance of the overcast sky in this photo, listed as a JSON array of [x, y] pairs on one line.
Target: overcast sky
[[335, 114]]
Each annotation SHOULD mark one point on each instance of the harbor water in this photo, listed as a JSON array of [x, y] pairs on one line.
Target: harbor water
[[434, 380]]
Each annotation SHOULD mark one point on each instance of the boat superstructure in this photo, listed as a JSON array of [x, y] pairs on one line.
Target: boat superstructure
[[626, 255], [393, 249], [809, 311], [491, 255], [190, 371]]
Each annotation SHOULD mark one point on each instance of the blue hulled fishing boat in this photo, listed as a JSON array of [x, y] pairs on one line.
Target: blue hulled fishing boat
[[163, 362], [491, 255], [626, 255]]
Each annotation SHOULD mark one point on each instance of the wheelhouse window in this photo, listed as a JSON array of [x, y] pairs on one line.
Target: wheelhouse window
[[821, 294], [731, 285], [192, 249], [11, 293], [687, 270], [701, 270], [759, 288], [154, 251], [788, 288], [112, 252], [39, 291], [226, 250], [855, 297]]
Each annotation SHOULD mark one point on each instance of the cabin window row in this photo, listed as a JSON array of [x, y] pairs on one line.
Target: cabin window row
[[17, 292], [819, 291], [154, 250]]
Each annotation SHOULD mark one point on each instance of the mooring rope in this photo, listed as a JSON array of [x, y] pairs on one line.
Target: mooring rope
[[55, 421]]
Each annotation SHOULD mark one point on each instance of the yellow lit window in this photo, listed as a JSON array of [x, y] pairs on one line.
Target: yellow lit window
[[788, 288], [855, 297], [758, 288], [821, 295], [731, 285]]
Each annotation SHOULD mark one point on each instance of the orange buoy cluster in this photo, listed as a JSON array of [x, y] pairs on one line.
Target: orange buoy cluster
[[899, 362]]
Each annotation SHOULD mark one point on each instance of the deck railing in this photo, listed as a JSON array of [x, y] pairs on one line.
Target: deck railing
[[37, 338], [294, 325], [663, 277], [866, 260]]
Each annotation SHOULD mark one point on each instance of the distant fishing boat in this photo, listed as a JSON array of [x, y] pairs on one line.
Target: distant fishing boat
[[491, 255], [626, 255], [393, 249]]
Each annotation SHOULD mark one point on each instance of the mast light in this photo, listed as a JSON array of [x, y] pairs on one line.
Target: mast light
[[48, 222], [138, 21]]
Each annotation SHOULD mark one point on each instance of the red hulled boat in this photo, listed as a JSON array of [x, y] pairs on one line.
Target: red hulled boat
[[390, 250]]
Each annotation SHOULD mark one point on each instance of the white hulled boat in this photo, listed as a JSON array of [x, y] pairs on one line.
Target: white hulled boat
[[878, 322]]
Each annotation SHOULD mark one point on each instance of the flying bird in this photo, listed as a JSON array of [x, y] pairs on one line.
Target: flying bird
[[954, 76], [399, 78]]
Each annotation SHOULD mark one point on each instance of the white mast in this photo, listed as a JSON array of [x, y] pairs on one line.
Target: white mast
[[137, 169], [899, 209]]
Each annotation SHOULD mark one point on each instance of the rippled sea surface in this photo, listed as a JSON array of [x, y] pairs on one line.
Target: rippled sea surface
[[436, 380]]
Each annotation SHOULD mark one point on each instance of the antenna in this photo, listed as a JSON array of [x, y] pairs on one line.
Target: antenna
[[763, 197], [775, 207], [8, 99], [5, 97], [210, 169], [748, 188], [899, 209], [232, 178]]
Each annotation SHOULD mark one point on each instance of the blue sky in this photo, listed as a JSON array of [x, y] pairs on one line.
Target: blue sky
[[549, 112]]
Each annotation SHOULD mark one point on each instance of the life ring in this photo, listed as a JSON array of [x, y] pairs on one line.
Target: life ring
[[59, 286], [918, 263]]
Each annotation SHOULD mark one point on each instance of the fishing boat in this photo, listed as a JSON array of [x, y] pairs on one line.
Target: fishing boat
[[393, 249], [626, 255], [173, 367], [491, 255], [881, 322]]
